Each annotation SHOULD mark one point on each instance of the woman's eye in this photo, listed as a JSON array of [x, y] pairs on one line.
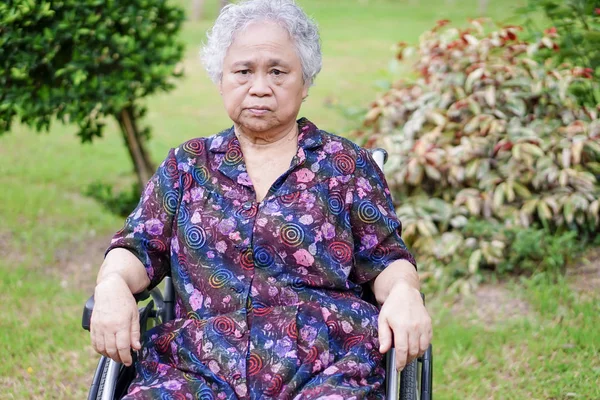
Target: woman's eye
[[244, 72], [276, 72]]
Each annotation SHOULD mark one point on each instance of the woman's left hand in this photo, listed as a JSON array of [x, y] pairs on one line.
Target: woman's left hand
[[404, 320]]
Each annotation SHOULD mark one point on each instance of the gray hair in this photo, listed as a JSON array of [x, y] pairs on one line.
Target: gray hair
[[236, 17]]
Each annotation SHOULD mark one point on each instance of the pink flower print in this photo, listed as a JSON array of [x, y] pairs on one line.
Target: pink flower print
[[306, 219], [346, 327], [197, 193], [183, 167], [227, 299], [234, 236], [226, 226], [304, 258], [186, 197], [172, 385], [262, 222], [244, 179], [305, 175], [210, 254], [196, 218], [214, 366], [328, 231], [308, 199], [221, 246], [308, 333], [333, 147], [241, 390], [196, 300], [154, 227], [364, 184], [149, 188], [175, 244], [369, 241], [139, 228]]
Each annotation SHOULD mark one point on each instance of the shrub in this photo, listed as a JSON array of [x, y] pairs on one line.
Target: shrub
[[576, 32], [487, 133], [81, 61], [120, 203]]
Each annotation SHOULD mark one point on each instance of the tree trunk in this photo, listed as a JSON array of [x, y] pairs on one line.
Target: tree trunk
[[144, 168]]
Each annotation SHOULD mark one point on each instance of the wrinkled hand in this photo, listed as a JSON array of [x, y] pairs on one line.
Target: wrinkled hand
[[115, 324], [404, 318]]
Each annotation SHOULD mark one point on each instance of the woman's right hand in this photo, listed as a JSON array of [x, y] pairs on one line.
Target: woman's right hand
[[115, 323]]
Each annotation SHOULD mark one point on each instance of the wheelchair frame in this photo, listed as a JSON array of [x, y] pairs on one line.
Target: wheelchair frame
[[111, 379]]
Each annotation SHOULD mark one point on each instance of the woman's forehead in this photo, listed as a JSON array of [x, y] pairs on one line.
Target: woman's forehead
[[266, 43]]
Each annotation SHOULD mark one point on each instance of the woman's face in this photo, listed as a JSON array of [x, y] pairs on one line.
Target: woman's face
[[262, 84]]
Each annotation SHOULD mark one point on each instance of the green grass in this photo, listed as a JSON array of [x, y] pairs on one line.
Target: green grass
[[43, 214], [550, 352]]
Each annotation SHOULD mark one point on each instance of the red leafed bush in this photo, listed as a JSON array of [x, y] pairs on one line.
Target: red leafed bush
[[486, 134]]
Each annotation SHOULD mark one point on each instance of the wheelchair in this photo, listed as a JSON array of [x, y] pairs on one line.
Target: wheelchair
[[111, 379]]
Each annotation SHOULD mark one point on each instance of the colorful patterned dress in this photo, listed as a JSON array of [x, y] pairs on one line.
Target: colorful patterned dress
[[268, 294]]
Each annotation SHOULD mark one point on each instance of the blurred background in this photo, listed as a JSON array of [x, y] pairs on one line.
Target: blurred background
[[494, 140]]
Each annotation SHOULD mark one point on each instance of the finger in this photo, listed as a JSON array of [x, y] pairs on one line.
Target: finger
[[123, 346], [401, 346], [111, 347], [98, 343], [135, 331], [413, 346], [385, 336], [423, 344]]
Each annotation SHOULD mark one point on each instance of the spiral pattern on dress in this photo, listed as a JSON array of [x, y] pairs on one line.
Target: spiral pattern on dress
[[368, 213], [246, 260], [194, 146], [352, 341], [169, 169], [170, 201], [274, 386], [233, 156], [292, 234], [340, 251], [289, 199], [219, 278], [224, 325], [205, 393], [343, 163], [263, 256], [255, 364], [335, 202], [183, 215], [380, 253], [200, 174], [155, 245], [195, 237]]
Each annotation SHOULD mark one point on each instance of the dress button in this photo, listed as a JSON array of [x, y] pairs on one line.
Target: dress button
[[247, 205]]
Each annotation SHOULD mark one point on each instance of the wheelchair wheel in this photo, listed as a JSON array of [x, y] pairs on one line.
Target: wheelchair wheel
[[408, 382], [111, 380]]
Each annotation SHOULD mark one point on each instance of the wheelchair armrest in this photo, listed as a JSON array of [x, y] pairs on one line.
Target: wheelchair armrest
[[89, 307]]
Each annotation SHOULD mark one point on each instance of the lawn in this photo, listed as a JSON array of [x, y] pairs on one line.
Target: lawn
[[52, 237]]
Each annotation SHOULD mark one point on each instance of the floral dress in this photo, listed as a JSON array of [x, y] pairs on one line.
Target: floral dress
[[268, 293]]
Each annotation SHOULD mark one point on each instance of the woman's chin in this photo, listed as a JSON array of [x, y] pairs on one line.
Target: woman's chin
[[258, 123]]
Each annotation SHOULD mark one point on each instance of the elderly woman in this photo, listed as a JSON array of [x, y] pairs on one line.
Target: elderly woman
[[270, 230]]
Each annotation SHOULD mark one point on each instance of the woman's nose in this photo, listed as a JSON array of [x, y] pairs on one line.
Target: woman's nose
[[260, 86]]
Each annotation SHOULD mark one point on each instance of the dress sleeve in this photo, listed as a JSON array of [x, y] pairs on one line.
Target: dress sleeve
[[147, 230], [376, 229]]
